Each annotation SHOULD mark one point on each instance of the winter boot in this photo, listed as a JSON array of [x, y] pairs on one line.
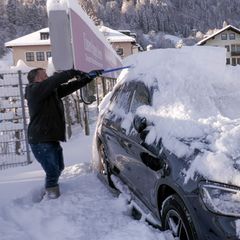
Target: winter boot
[[52, 192]]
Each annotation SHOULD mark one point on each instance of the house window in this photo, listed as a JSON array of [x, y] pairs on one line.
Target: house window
[[228, 48], [238, 61], [232, 36], [233, 47], [29, 56], [48, 55], [44, 35], [224, 36], [234, 62], [120, 51], [228, 61], [40, 56]]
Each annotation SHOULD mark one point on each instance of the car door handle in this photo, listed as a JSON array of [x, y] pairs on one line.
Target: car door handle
[[127, 144]]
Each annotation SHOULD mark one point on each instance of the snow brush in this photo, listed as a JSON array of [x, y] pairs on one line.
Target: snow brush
[[93, 74], [91, 99]]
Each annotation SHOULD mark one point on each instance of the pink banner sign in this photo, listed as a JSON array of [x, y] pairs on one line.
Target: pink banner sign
[[89, 50]]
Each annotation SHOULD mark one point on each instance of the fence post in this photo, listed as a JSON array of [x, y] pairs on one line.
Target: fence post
[[78, 108], [24, 116], [86, 122], [68, 117], [104, 86]]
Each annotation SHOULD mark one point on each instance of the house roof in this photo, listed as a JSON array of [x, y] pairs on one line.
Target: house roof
[[115, 36], [229, 27], [30, 39], [34, 38]]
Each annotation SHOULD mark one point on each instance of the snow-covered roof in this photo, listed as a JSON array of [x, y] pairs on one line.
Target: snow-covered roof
[[173, 38], [30, 39], [115, 36], [35, 38], [229, 27]]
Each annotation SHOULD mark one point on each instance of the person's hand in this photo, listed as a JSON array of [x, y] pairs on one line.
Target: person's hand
[[76, 73], [95, 73]]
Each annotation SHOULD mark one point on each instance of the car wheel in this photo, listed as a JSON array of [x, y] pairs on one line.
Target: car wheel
[[104, 167], [176, 218]]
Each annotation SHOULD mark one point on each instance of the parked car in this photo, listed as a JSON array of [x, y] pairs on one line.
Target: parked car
[[154, 161]]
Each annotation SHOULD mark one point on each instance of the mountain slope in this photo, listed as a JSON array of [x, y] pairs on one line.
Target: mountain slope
[[182, 18]]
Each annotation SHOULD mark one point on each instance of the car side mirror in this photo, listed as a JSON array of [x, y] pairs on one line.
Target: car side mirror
[[87, 99], [139, 123], [91, 98]]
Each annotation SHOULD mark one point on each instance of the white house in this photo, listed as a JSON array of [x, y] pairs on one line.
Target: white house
[[228, 37], [34, 49]]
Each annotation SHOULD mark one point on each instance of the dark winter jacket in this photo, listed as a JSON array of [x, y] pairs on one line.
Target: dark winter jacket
[[47, 121]]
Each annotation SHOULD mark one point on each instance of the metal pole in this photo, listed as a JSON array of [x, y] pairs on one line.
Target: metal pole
[[24, 116]]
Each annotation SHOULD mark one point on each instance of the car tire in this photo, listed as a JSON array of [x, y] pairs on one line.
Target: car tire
[[175, 217], [104, 167]]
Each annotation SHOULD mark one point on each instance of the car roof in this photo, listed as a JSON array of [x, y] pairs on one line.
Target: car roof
[[197, 98]]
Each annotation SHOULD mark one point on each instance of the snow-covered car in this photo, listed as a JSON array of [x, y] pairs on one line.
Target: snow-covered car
[[170, 132]]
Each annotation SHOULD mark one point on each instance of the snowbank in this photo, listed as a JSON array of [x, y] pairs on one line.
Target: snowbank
[[21, 65], [85, 210], [195, 106]]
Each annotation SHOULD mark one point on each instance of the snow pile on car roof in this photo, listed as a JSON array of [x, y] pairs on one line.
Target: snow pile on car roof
[[196, 105]]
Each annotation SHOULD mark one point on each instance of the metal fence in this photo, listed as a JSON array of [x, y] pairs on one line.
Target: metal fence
[[14, 149], [14, 117]]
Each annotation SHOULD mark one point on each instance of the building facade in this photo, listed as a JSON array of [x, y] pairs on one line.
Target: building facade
[[229, 38], [34, 49]]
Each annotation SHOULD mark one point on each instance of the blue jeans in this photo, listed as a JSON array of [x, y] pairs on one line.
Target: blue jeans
[[50, 156]]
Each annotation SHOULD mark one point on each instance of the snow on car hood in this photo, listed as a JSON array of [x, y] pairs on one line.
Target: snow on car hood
[[196, 105]]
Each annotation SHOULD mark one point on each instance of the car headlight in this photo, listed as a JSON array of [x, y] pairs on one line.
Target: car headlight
[[221, 199]]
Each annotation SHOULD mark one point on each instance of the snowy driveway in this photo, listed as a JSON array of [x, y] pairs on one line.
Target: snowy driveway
[[86, 209]]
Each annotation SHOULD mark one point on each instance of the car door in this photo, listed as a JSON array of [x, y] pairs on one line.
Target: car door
[[113, 131], [125, 143], [143, 162]]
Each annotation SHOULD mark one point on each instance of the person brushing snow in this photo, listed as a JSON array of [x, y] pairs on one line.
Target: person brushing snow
[[47, 122]]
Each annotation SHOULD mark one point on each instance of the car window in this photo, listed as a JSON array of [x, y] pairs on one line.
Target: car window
[[141, 96], [121, 100]]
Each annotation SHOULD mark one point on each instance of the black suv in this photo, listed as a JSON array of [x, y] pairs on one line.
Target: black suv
[[154, 175]]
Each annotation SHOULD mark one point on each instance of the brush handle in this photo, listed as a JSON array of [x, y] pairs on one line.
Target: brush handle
[[92, 74]]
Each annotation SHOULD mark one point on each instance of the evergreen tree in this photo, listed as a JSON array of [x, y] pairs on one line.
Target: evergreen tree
[[178, 17]]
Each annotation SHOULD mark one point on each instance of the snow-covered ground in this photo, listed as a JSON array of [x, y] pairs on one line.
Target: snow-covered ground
[[199, 98], [86, 209]]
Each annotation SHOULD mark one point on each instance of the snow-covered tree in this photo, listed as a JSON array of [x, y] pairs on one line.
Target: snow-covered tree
[[182, 18]]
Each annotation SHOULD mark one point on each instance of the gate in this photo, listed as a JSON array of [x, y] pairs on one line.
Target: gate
[[14, 148], [14, 116]]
